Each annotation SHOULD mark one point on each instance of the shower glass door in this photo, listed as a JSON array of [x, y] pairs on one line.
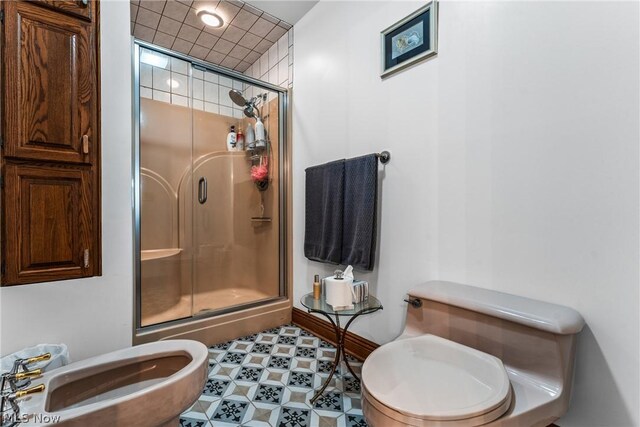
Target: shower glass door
[[208, 214], [236, 215]]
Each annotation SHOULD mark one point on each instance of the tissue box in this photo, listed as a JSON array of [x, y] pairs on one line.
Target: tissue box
[[361, 290]]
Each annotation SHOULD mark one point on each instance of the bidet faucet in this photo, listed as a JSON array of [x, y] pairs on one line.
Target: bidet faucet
[[13, 386], [11, 398]]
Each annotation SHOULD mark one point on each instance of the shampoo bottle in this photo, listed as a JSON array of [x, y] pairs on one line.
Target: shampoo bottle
[[260, 134], [231, 139], [249, 138], [239, 140]]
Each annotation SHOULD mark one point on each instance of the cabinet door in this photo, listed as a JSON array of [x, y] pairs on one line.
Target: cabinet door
[[49, 86], [48, 223], [80, 8]]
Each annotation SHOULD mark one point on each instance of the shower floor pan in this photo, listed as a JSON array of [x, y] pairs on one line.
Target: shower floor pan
[[202, 302]]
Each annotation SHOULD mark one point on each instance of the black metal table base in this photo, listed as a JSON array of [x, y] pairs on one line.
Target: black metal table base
[[340, 353]]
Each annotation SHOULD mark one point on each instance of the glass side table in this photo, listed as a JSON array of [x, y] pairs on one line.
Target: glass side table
[[371, 305]]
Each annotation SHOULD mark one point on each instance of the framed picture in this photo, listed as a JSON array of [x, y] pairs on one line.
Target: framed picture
[[413, 39]]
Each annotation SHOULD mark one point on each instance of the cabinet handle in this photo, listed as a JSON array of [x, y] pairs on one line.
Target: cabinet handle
[[86, 258], [202, 190], [85, 144]]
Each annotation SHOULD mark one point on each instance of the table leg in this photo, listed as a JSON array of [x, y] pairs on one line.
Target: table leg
[[346, 360], [336, 360]]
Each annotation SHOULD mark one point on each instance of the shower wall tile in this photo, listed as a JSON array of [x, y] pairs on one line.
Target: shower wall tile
[[180, 100], [210, 77], [159, 95], [276, 64], [146, 92], [171, 84], [198, 89], [225, 81], [179, 66], [181, 83]]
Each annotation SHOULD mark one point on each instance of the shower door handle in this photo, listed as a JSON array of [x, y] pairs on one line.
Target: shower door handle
[[202, 190]]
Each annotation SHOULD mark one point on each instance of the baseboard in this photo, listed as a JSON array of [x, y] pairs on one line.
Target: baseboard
[[354, 344]]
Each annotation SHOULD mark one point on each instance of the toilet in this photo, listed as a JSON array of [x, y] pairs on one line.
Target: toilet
[[469, 357], [149, 385]]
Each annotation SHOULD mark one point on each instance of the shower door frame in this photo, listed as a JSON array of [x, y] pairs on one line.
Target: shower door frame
[[283, 186]]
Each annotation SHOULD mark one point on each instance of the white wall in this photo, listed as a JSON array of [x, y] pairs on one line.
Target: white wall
[[91, 316], [514, 165]]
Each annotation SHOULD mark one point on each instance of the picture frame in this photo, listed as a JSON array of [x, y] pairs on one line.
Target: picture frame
[[410, 40]]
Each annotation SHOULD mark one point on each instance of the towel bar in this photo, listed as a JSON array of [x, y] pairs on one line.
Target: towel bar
[[384, 157]]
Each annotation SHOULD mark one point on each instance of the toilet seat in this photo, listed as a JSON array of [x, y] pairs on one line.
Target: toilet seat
[[429, 380]]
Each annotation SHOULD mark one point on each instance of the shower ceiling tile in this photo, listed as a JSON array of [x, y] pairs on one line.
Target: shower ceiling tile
[[242, 66], [262, 27], [134, 11], [206, 39], [176, 10], [223, 46], [249, 41], [247, 32], [252, 57], [169, 26], [215, 57], [233, 34], [155, 5], [276, 33], [199, 51], [148, 18], [227, 10], [263, 46], [144, 33], [182, 46], [193, 20], [189, 33], [239, 52], [164, 40], [244, 19], [230, 62]]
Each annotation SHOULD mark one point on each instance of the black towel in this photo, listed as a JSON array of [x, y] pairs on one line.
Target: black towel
[[324, 203], [360, 212]]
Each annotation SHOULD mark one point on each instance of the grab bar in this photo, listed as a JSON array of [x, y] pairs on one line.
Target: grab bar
[[202, 190]]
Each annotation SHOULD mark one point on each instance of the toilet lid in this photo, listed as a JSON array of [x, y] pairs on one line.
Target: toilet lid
[[433, 378]]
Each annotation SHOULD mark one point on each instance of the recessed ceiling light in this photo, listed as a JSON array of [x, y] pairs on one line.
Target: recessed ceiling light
[[173, 83], [154, 59], [209, 18]]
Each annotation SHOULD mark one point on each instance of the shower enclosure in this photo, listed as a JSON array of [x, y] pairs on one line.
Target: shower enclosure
[[210, 219]]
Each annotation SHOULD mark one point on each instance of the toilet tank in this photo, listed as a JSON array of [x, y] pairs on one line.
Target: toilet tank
[[535, 340]]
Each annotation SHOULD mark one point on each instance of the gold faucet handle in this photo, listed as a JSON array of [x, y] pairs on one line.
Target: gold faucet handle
[[29, 374], [33, 390], [37, 359]]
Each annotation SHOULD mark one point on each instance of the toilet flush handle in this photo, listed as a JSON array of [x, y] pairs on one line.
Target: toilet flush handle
[[415, 302]]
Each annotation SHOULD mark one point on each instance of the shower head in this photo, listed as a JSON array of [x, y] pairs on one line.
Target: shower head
[[237, 98], [250, 107]]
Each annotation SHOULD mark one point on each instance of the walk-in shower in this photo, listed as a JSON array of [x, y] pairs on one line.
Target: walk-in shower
[[210, 218]]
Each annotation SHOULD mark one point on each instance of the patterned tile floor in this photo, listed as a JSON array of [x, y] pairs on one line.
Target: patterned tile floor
[[267, 379]]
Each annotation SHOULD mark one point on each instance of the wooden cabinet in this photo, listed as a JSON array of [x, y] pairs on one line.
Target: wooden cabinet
[[51, 141], [50, 209], [50, 85], [80, 8]]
